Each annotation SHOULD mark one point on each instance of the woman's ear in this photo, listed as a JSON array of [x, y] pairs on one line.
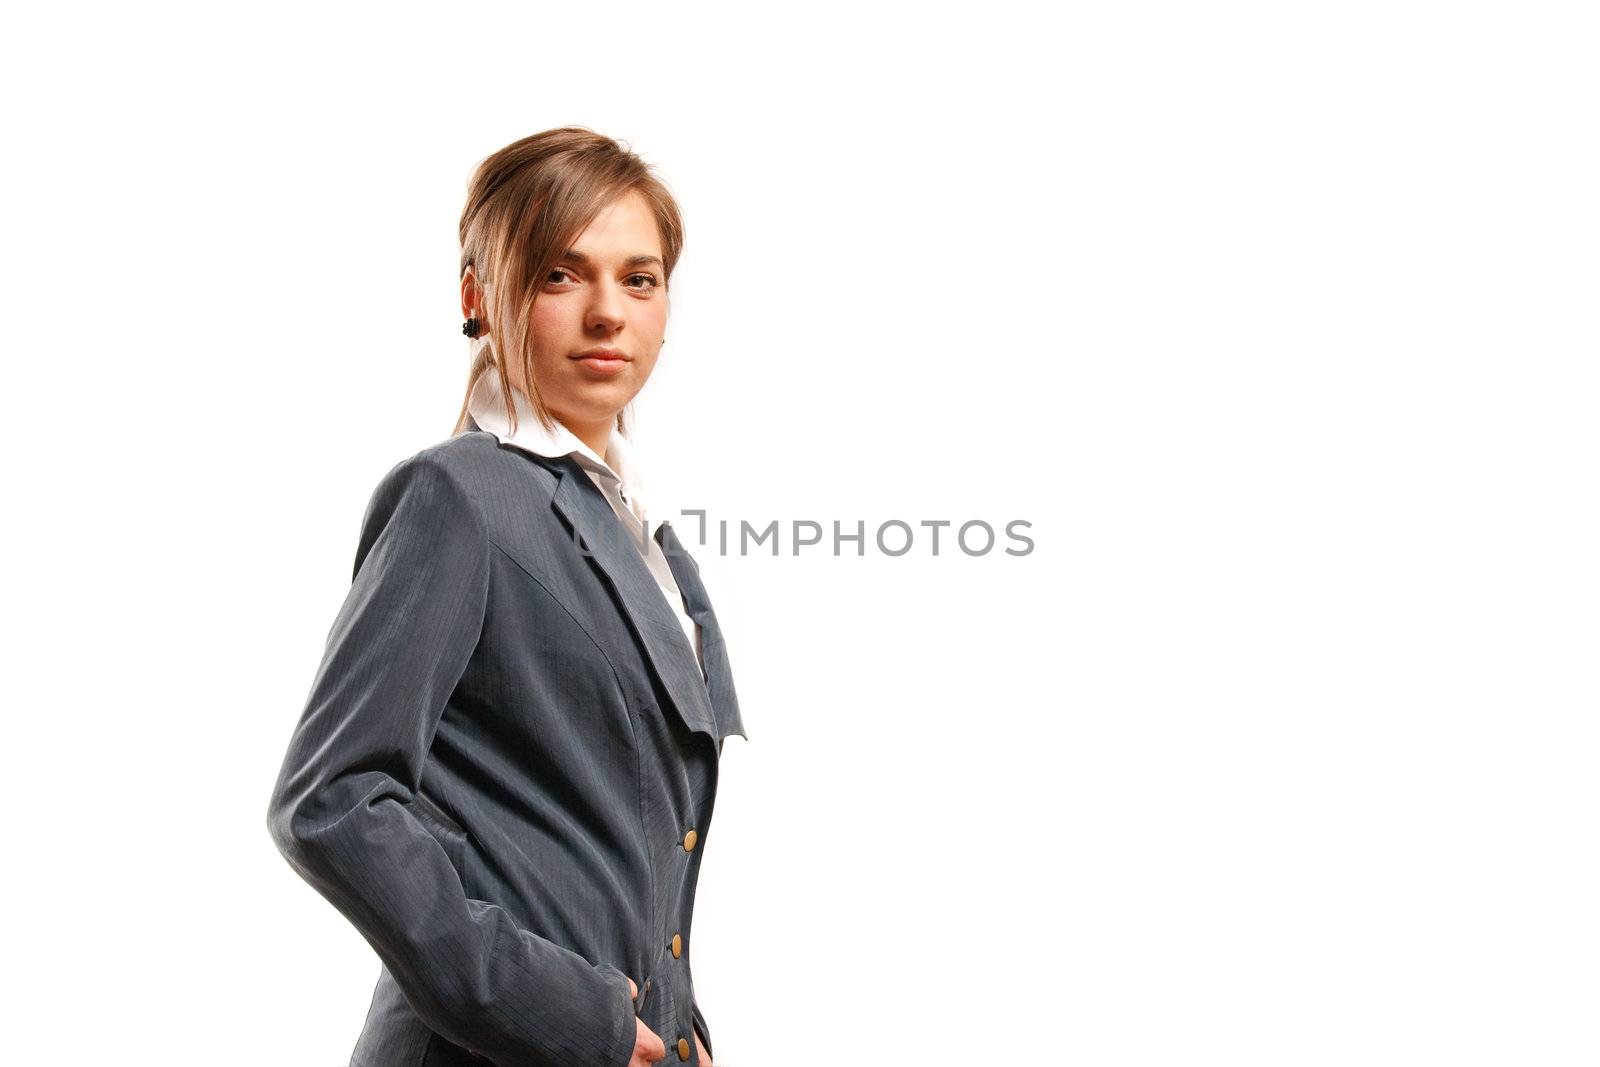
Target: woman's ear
[[471, 294]]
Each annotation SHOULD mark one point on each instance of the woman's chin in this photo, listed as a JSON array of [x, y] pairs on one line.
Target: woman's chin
[[594, 404]]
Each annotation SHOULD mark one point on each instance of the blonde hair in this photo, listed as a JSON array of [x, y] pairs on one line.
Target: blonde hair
[[526, 204]]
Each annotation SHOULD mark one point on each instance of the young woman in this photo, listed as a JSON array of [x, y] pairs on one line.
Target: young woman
[[505, 772]]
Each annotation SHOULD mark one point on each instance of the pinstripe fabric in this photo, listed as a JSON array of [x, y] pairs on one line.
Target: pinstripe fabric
[[502, 750]]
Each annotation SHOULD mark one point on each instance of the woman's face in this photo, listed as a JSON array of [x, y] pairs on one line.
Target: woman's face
[[601, 314]]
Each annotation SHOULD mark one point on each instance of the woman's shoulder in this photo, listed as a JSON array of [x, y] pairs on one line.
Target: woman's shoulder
[[470, 470], [470, 457], [460, 453]]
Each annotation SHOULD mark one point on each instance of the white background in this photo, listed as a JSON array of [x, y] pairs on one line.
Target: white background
[[1276, 321]]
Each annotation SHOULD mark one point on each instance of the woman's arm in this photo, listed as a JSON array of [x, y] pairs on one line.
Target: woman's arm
[[339, 813]]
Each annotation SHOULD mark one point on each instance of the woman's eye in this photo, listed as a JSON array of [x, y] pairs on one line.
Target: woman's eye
[[650, 281], [554, 271]]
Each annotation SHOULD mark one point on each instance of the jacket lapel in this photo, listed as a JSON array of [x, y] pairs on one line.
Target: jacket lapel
[[719, 677], [610, 544]]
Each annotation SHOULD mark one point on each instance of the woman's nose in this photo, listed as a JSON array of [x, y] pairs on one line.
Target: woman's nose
[[605, 310]]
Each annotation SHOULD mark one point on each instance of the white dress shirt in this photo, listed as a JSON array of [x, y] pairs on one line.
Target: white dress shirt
[[617, 475]]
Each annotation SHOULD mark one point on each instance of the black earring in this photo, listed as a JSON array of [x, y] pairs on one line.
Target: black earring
[[471, 327]]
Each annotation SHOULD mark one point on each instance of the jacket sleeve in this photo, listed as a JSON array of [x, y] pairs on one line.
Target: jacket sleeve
[[340, 810], [705, 1034]]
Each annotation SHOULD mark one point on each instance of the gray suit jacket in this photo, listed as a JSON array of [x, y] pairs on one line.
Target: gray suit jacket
[[504, 773]]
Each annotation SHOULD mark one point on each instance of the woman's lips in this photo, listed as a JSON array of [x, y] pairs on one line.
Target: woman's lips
[[602, 365]]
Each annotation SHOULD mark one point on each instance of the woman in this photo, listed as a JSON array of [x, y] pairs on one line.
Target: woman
[[504, 774]]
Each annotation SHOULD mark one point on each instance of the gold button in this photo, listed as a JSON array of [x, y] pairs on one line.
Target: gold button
[[689, 839], [683, 1048], [677, 946]]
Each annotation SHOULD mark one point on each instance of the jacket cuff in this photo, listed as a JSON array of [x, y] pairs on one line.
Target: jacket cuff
[[622, 1043]]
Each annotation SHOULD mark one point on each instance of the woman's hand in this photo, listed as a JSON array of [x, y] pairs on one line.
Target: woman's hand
[[647, 1047]]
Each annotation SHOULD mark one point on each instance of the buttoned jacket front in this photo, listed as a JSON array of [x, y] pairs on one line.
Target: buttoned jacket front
[[505, 771]]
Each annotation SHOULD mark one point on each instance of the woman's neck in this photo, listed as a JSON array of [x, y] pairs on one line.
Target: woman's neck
[[596, 435]]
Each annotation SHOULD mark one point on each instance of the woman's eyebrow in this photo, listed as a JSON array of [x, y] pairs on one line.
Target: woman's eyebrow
[[575, 256]]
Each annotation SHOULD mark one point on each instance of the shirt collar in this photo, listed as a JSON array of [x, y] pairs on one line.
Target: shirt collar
[[620, 463]]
